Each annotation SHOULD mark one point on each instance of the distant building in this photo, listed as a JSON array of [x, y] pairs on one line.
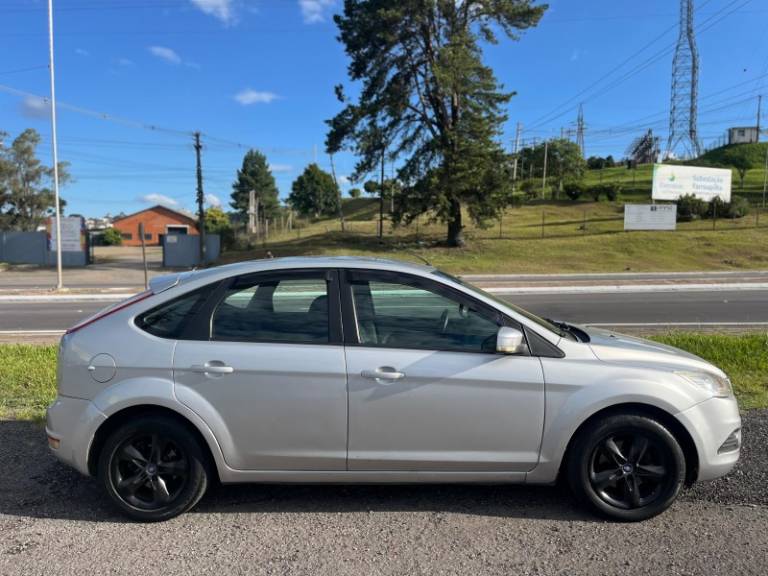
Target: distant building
[[158, 220], [743, 135], [98, 224]]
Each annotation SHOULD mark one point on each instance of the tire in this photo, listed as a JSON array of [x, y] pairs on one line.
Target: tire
[[153, 469], [626, 467]]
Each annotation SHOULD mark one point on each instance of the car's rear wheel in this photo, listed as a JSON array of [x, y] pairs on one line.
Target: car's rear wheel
[[626, 466], [153, 469]]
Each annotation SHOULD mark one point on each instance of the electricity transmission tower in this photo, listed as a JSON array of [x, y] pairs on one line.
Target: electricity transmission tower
[[683, 132]]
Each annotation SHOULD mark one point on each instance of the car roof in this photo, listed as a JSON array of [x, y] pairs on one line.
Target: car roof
[[294, 262]]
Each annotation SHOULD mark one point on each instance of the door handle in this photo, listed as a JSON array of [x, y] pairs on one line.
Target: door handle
[[384, 373], [212, 368]]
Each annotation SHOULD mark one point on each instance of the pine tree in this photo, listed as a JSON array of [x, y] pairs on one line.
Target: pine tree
[[255, 175], [427, 97]]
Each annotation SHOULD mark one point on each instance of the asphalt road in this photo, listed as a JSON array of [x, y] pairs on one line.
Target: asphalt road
[[54, 521], [611, 309]]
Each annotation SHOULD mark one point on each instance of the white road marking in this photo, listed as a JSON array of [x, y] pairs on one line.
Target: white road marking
[[631, 288], [662, 324]]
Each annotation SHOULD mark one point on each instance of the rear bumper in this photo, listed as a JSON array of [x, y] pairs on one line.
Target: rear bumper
[[715, 426], [70, 425]]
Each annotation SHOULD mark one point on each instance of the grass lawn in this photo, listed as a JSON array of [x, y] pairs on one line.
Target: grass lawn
[[28, 378], [578, 237]]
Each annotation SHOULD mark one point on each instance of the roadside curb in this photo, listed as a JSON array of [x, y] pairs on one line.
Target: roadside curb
[[502, 290]]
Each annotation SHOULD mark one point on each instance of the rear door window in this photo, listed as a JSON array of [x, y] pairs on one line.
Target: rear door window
[[274, 309]]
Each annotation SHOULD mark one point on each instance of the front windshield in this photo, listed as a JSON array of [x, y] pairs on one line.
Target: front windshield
[[532, 317]]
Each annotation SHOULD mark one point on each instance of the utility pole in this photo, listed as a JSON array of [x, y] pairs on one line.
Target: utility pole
[[381, 198], [544, 176], [200, 198], [765, 176], [338, 190], [253, 212], [55, 151], [759, 110], [518, 131]]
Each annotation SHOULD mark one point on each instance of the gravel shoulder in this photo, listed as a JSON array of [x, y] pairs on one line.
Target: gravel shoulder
[[53, 521]]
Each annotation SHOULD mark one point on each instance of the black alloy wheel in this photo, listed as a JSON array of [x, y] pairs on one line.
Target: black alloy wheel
[[626, 466], [153, 468], [149, 471], [629, 470]]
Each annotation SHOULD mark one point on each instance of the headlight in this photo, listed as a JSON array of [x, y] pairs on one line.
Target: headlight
[[717, 386]]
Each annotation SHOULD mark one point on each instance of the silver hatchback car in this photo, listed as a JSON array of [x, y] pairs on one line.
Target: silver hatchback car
[[353, 370]]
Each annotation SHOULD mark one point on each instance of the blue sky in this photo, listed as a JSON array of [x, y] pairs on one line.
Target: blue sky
[[261, 73]]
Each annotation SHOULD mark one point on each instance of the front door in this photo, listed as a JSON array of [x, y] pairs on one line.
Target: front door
[[271, 380], [427, 391]]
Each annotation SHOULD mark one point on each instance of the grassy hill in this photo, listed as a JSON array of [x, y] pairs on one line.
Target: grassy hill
[[637, 183], [517, 246], [544, 236]]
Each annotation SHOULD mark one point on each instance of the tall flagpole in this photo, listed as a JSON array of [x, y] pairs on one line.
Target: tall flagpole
[[59, 279]]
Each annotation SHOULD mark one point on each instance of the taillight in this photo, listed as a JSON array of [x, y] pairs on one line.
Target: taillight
[[111, 310]]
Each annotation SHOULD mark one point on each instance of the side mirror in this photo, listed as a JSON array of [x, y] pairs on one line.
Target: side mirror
[[509, 340]]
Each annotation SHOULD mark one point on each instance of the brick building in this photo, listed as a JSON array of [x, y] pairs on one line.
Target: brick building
[[157, 220]]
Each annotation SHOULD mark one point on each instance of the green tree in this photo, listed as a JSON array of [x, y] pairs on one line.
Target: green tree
[[26, 185], [314, 193], [564, 161], [743, 157], [112, 237], [216, 221], [428, 98], [354, 193], [255, 175]]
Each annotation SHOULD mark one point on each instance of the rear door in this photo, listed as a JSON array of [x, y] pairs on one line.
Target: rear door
[[269, 375], [427, 390]]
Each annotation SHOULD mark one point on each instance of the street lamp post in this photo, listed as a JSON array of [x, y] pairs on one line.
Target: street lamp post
[[59, 279]]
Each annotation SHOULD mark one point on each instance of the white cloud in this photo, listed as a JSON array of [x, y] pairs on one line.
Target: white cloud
[[344, 180], [165, 53], [158, 199], [221, 9], [34, 107], [314, 11], [126, 62], [280, 167], [212, 200], [82, 52], [577, 54], [248, 96]]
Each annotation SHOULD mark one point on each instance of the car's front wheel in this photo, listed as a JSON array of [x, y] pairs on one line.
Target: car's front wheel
[[153, 468], [626, 466]]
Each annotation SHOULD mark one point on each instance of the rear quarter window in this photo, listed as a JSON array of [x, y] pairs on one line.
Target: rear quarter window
[[169, 319]]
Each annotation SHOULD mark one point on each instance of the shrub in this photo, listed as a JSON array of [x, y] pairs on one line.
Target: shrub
[[573, 190], [691, 208], [738, 207], [612, 191], [112, 237], [596, 191], [529, 188]]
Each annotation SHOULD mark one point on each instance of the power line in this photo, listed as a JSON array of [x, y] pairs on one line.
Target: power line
[[558, 111]]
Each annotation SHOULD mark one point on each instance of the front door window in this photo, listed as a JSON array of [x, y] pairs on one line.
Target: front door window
[[401, 315]]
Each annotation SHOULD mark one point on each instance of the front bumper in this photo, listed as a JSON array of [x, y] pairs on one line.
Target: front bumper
[[70, 425], [715, 426]]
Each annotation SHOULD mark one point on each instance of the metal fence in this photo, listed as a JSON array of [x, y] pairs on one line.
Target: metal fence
[[32, 248]]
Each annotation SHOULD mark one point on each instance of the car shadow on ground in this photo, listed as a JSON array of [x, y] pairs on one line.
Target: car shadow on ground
[[34, 484]]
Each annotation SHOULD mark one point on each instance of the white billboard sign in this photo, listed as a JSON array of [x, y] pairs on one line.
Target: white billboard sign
[[671, 181], [650, 216], [71, 231]]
